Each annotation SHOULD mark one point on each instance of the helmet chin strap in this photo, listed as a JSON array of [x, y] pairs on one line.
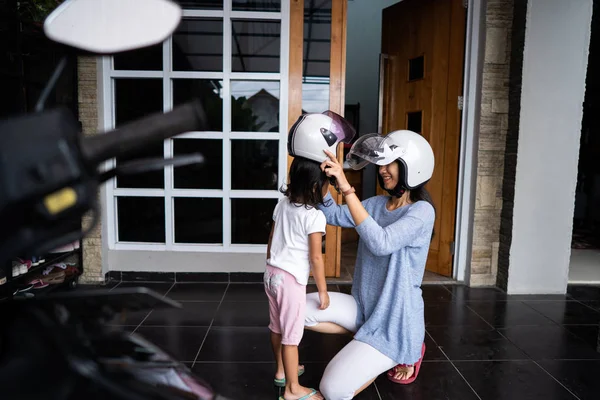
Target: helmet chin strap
[[398, 191]]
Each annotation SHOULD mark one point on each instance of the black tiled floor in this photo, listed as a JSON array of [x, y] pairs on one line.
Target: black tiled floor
[[588, 333], [191, 314], [550, 343], [160, 288], [463, 293], [584, 293], [508, 313], [437, 380], [237, 345], [436, 293], [508, 380], [246, 292], [580, 377], [432, 352], [566, 312], [182, 343], [243, 314], [496, 342], [197, 291], [130, 318], [463, 343], [451, 314]]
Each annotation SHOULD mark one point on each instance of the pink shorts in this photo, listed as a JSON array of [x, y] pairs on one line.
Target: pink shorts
[[287, 303]]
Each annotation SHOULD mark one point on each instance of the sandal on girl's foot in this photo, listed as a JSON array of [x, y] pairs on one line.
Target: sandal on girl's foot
[[392, 372], [308, 396], [281, 382]]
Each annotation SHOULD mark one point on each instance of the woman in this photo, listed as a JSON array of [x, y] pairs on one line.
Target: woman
[[385, 310]]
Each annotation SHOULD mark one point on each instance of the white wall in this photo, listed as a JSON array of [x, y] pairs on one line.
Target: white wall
[[362, 58], [554, 70], [362, 68], [176, 261]]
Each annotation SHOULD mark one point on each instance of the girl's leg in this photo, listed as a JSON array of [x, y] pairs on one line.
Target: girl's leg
[[277, 351], [338, 318], [352, 370], [293, 389]]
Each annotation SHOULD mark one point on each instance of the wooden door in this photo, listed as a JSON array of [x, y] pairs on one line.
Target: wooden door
[[421, 81], [337, 76]]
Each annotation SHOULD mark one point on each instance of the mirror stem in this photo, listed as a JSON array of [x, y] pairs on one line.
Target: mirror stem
[[51, 84]]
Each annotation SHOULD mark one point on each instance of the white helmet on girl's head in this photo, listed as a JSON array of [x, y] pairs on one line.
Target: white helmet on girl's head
[[409, 148], [313, 133]]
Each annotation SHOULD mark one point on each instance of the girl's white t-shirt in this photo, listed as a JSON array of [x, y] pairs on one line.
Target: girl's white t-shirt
[[289, 246]]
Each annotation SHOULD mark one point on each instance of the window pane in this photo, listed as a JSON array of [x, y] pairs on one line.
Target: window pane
[[317, 48], [147, 58], [201, 4], [257, 5], [209, 93], [206, 176], [198, 220], [141, 219], [251, 220], [255, 46], [254, 164], [416, 68], [136, 98], [255, 106], [198, 45], [414, 121]]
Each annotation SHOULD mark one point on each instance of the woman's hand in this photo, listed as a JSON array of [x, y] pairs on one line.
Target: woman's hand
[[332, 167]]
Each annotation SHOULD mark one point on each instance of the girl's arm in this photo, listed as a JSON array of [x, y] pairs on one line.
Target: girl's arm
[[315, 242], [270, 239]]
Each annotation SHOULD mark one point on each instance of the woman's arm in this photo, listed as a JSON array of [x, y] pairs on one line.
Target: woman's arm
[[336, 214], [385, 241], [354, 207]]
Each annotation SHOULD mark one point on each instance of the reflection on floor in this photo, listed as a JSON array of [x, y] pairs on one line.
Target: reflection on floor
[[481, 343], [585, 266]]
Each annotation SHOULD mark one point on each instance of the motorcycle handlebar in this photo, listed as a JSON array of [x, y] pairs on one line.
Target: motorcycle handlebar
[[138, 134]]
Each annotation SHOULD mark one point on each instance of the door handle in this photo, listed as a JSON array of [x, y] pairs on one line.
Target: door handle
[[382, 61]]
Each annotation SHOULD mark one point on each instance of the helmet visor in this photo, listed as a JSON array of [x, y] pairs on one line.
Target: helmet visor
[[372, 148], [340, 127]]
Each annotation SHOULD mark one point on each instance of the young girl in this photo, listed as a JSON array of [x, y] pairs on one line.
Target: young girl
[[295, 245]]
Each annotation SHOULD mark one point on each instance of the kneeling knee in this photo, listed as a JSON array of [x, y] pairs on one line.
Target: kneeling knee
[[335, 391]]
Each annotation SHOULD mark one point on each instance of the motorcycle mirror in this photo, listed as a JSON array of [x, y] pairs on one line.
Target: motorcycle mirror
[[112, 26]]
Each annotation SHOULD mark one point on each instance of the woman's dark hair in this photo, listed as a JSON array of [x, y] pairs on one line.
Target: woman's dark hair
[[306, 182]]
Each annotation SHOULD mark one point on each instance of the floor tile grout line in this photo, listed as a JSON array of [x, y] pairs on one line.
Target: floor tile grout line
[[460, 373], [140, 324], [484, 320], [211, 324], [557, 381], [171, 288], [587, 306], [377, 390], [540, 313]]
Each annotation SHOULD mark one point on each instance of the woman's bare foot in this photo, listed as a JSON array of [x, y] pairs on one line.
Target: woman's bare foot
[[404, 372], [299, 392]]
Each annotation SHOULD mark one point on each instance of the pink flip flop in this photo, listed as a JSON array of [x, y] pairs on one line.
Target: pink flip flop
[[392, 372]]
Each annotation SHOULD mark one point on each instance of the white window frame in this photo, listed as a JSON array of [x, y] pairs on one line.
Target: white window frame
[[227, 194]]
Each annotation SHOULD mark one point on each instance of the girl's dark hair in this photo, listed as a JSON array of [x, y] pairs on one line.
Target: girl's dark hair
[[306, 182]]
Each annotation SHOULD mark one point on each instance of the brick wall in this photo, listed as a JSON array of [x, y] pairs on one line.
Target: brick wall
[[512, 137], [88, 115], [492, 142]]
